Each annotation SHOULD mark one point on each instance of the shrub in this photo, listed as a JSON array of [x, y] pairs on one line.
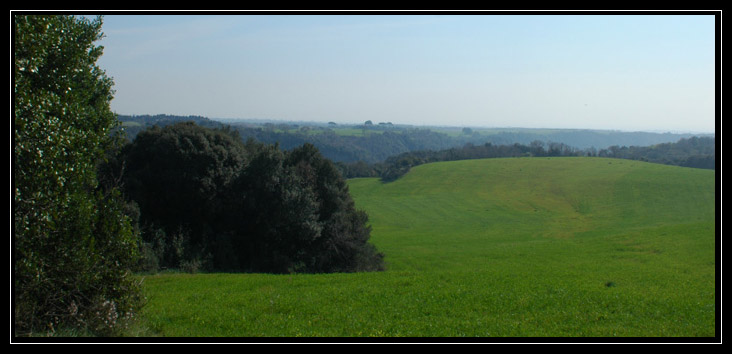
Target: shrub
[[73, 240]]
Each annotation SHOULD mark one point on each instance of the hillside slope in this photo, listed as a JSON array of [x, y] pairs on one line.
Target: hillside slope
[[510, 247], [438, 206], [556, 246]]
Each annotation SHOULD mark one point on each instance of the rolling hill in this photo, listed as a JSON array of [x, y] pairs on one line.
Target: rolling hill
[[505, 247], [534, 199]]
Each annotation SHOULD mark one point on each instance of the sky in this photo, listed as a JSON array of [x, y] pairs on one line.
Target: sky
[[601, 71]]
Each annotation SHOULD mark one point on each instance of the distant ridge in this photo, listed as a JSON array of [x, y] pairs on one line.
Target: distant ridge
[[376, 142]]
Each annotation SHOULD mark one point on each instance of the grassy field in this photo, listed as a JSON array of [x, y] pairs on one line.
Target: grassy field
[[526, 247]]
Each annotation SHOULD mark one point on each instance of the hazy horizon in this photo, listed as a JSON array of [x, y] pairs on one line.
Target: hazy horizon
[[603, 71]]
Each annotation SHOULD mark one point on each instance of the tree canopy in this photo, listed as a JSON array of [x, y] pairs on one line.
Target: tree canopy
[[73, 243], [208, 200]]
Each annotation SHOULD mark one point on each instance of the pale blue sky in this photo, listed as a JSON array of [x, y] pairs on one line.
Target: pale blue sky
[[636, 72]]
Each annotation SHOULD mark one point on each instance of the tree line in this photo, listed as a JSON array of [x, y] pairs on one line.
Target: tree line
[[697, 152], [374, 143], [381, 142], [390, 151], [396, 166], [385, 142]]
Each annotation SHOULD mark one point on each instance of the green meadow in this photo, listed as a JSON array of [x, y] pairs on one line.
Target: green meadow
[[509, 247]]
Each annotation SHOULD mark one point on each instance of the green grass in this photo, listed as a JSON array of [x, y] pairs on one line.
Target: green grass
[[537, 247], [348, 131]]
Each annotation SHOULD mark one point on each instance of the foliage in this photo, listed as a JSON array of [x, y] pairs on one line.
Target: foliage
[[343, 244], [210, 201], [177, 176], [133, 125], [396, 166], [73, 242], [363, 150], [697, 152], [277, 215]]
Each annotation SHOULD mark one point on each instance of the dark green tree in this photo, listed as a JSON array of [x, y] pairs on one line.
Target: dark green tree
[[179, 176], [73, 244], [276, 214], [343, 243], [205, 196]]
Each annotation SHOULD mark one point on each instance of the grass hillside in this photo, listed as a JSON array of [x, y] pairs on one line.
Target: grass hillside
[[491, 248]]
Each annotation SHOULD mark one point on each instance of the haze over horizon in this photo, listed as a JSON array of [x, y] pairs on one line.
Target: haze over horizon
[[603, 71]]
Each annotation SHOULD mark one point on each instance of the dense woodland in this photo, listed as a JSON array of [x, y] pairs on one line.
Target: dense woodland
[[376, 142], [207, 200], [697, 152], [388, 151]]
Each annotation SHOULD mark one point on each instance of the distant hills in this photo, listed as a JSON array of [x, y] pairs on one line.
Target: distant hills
[[376, 142]]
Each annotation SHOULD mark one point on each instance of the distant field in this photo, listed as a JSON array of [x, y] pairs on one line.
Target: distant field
[[457, 131], [514, 247], [356, 131]]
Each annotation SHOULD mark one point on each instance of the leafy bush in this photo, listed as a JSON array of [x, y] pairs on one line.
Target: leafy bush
[[73, 240]]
